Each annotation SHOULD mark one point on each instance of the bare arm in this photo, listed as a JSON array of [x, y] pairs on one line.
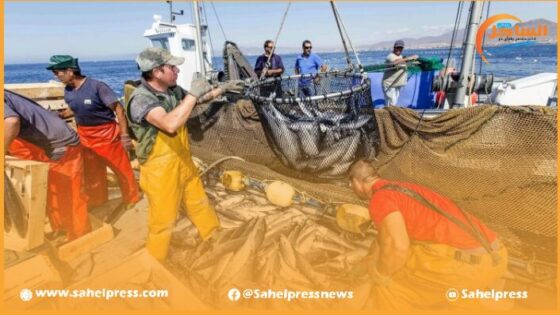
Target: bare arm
[[394, 244], [65, 113], [404, 60], [119, 111], [11, 131], [271, 72]]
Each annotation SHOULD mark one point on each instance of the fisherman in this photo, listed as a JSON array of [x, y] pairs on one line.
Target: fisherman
[[426, 243], [394, 77], [106, 143], [157, 112], [269, 65], [34, 133], [309, 63], [270, 62]]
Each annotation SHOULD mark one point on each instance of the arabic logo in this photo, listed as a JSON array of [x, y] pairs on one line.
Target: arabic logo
[[506, 32]]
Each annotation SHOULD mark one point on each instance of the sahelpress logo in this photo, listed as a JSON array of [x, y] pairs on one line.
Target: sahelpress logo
[[26, 295], [234, 294]]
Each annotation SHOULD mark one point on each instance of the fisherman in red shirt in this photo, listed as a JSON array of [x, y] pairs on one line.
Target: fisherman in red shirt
[[426, 244], [105, 142]]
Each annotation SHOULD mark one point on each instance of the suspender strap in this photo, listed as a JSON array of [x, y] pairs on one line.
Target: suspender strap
[[471, 229]]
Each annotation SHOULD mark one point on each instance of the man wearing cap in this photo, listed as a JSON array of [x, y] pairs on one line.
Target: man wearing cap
[[395, 76], [34, 133], [105, 142], [425, 245], [157, 112]]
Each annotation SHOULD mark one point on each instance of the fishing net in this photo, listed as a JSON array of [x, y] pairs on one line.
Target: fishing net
[[496, 162], [236, 66], [314, 124], [419, 65]]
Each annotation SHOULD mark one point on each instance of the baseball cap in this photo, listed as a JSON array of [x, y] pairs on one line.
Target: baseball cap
[[154, 57], [399, 43]]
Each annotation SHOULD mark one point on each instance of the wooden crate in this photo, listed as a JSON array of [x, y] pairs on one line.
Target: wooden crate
[[139, 271], [30, 180], [101, 233], [38, 91], [35, 273]]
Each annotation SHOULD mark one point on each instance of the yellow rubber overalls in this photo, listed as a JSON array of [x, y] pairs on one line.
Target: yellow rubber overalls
[[170, 179]]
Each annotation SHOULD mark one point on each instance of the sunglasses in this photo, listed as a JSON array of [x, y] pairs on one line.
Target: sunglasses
[[307, 47], [269, 47]]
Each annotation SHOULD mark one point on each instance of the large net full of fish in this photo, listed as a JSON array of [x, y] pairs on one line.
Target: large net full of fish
[[314, 123]]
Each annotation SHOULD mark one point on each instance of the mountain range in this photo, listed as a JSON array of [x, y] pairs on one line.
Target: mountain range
[[426, 42], [444, 40]]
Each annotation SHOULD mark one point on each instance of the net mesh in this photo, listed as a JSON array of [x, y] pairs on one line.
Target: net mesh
[[498, 163], [314, 124]]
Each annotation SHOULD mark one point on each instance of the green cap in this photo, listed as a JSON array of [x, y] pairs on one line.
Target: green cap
[[63, 62], [154, 57]]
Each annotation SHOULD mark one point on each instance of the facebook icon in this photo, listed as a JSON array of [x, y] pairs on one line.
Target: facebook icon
[[234, 294]]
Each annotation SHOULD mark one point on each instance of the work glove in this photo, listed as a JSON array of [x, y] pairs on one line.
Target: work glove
[[199, 87], [233, 86], [126, 142]]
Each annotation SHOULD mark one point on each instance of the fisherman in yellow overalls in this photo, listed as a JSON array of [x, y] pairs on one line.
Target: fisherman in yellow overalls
[[157, 112]]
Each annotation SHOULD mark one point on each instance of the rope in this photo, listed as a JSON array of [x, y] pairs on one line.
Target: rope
[[210, 62], [454, 34], [453, 38], [336, 17], [218, 19], [209, 35], [211, 166], [349, 41], [276, 40]]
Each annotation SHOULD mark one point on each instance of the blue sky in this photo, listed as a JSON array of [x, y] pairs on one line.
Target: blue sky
[[113, 30]]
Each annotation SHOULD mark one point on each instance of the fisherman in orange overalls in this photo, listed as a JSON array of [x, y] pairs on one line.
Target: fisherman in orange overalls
[[34, 133], [105, 142]]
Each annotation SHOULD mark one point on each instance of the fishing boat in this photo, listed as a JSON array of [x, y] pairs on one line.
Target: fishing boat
[[495, 157]]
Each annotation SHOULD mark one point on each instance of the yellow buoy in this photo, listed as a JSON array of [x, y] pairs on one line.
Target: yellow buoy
[[280, 194], [233, 180], [352, 218]]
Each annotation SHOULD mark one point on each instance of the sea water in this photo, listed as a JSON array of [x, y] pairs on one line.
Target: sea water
[[504, 62]]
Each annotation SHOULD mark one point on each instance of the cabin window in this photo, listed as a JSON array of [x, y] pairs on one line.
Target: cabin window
[[188, 44], [161, 42]]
